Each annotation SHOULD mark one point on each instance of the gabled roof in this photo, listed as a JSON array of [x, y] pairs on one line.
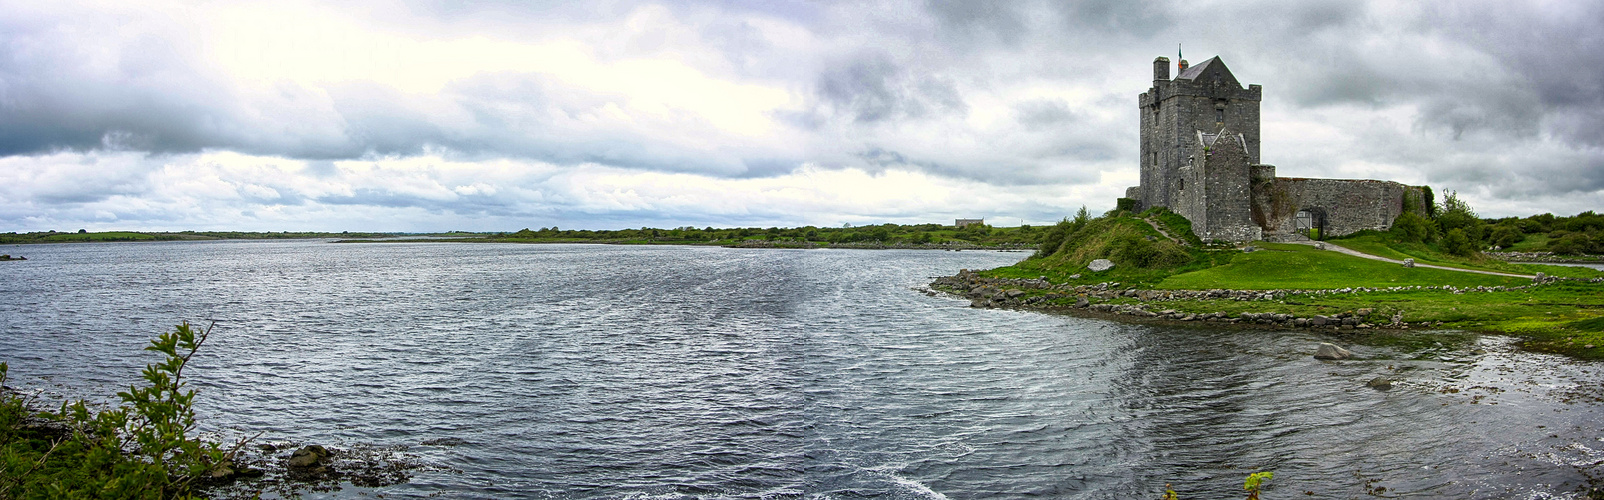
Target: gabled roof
[[1212, 66], [1208, 140]]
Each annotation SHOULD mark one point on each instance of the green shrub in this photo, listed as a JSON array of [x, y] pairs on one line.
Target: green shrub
[[1566, 242], [1125, 205], [1061, 232], [1505, 236], [1457, 214], [1412, 228], [139, 449], [1456, 243]]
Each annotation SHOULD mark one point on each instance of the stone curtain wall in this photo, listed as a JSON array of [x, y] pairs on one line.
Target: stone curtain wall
[[1349, 206]]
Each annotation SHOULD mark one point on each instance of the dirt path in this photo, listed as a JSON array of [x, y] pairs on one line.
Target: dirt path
[[1166, 234], [1356, 253]]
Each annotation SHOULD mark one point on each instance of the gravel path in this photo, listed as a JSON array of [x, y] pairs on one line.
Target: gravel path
[[1356, 253]]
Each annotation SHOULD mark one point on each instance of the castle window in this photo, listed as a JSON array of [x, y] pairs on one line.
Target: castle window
[[1180, 184], [1219, 115]]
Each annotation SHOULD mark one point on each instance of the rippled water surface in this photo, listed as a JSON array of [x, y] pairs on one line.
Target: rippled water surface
[[579, 371]]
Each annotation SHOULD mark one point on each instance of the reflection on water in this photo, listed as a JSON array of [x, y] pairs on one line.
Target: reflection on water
[[601, 371]]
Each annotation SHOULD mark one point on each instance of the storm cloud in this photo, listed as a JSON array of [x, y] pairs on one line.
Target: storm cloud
[[426, 115]]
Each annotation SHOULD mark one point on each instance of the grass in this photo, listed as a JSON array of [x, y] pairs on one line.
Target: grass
[[1379, 244], [1290, 266], [1536, 242], [1120, 238], [1563, 317]]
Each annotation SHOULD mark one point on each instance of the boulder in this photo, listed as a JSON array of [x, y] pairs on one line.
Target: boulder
[[1330, 351], [1100, 265], [1014, 293], [1410, 262], [1379, 383], [1081, 302], [308, 456], [223, 470], [1075, 276]]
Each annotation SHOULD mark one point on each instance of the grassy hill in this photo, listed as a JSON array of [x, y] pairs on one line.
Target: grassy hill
[[1156, 250]]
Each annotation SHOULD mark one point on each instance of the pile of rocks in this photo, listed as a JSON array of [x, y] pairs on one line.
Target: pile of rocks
[[1544, 257]]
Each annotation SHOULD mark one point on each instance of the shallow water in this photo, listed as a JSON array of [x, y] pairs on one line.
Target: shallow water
[[581, 371]]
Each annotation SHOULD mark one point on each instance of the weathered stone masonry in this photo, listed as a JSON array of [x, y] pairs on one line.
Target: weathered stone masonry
[[1200, 158]]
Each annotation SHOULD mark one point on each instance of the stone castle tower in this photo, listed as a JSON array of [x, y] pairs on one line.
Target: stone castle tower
[[1200, 158]]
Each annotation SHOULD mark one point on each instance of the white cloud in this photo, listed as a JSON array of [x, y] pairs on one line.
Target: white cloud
[[415, 115]]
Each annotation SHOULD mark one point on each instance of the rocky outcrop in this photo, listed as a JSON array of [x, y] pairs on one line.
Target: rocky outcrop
[[1100, 265], [1329, 351], [308, 456]]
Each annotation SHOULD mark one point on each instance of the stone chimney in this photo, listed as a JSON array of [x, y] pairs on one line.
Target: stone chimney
[[1161, 69]]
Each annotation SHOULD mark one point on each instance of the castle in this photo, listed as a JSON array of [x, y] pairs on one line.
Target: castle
[[1200, 158]]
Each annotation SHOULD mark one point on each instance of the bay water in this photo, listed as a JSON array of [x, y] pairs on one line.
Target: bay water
[[595, 371]]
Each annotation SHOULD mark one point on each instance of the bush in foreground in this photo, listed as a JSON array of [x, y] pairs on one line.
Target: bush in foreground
[[140, 449]]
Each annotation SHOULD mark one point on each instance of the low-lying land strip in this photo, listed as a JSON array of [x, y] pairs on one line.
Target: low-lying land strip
[[1158, 279], [107, 236], [877, 237]]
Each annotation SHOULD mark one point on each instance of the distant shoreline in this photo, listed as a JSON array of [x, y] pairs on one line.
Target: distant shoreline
[[795, 245]]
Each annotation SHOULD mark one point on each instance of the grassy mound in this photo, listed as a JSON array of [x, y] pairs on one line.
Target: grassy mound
[[1145, 248]]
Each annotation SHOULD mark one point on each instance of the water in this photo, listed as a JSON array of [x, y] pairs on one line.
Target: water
[[578, 371]]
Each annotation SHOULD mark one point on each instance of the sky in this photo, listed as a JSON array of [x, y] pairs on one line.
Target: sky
[[436, 115]]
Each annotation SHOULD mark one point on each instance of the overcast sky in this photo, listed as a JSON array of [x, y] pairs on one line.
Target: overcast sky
[[430, 115]]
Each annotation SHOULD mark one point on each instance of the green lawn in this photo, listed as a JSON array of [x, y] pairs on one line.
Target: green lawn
[[1563, 317], [1533, 243], [1374, 244], [1305, 267]]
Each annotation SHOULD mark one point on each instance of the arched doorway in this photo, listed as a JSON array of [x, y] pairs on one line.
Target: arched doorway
[[1311, 223]]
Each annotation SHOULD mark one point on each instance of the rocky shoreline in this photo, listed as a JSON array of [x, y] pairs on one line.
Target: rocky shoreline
[[1546, 257], [1146, 304]]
